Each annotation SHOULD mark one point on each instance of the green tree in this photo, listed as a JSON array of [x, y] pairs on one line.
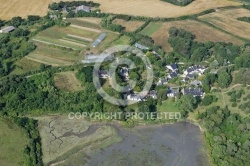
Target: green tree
[[224, 79]]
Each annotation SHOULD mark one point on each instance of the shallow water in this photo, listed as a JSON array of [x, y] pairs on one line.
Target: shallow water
[[179, 144]]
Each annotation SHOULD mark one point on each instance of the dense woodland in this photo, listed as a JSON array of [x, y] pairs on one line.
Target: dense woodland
[[227, 136]]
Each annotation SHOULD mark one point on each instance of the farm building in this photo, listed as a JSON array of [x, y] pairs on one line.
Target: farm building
[[194, 92], [7, 29], [99, 40], [83, 8], [142, 47], [97, 58]]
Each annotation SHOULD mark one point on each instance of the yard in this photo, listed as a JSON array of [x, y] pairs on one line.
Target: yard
[[168, 106]]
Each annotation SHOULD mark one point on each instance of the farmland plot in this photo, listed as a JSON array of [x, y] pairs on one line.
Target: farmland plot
[[130, 26]]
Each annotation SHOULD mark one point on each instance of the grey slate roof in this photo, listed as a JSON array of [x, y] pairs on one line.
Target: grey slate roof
[[194, 92], [82, 8]]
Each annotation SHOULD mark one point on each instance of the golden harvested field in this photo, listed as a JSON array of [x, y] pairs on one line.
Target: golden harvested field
[[151, 8], [130, 26], [200, 30], [158, 8], [227, 20], [67, 81]]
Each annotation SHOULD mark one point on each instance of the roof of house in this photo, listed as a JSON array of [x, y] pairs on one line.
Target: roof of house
[[174, 91], [173, 74], [99, 39], [141, 46], [8, 29], [174, 66], [193, 91], [82, 8]]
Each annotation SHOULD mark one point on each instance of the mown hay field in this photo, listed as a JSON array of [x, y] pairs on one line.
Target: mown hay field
[[201, 31], [158, 8], [227, 20], [12, 8], [150, 8], [130, 26]]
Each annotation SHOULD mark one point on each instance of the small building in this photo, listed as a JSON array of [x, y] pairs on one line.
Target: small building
[[134, 97], [172, 75], [7, 29], [173, 92], [152, 94], [124, 72], [142, 47], [104, 74], [198, 70], [162, 81], [173, 67], [195, 92], [99, 40], [82, 8]]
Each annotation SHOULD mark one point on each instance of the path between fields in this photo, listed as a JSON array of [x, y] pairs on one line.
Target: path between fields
[[45, 42], [70, 42], [64, 63], [79, 37], [85, 28]]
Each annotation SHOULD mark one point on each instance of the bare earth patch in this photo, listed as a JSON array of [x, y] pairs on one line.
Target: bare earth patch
[[158, 8], [201, 31], [130, 26]]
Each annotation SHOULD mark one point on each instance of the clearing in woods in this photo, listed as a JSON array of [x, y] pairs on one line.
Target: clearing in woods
[[130, 26], [157, 8], [201, 31], [12, 144], [67, 81], [227, 20]]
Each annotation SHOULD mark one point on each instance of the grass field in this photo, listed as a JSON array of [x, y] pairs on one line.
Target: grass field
[[124, 40], [227, 20], [54, 56], [67, 81], [130, 26], [12, 143], [168, 106], [25, 65], [157, 8], [201, 31], [151, 28]]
